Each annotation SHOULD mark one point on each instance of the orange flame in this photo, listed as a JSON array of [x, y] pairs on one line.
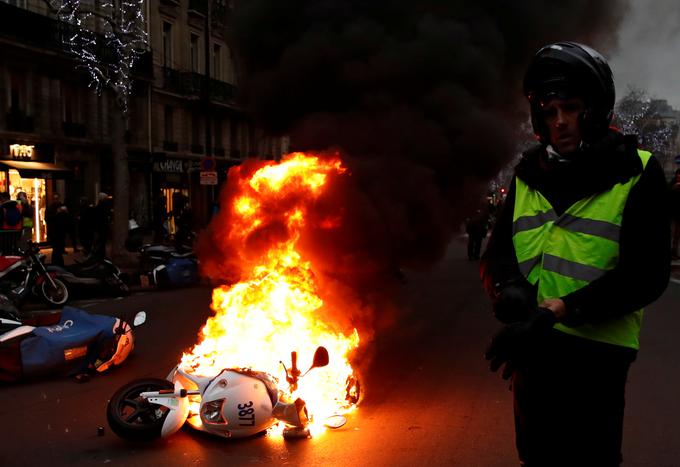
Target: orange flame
[[259, 321]]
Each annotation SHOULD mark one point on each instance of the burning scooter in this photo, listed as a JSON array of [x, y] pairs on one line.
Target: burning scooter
[[235, 403]]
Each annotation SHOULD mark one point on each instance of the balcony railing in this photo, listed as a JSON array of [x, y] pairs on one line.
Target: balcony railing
[[221, 91], [190, 83]]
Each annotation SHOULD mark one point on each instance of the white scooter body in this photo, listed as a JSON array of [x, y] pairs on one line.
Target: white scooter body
[[233, 404]]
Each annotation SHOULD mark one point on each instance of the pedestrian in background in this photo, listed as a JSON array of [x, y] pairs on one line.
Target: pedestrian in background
[[160, 217], [579, 249], [56, 220], [103, 212], [10, 224], [85, 221], [476, 228], [675, 213], [27, 220]]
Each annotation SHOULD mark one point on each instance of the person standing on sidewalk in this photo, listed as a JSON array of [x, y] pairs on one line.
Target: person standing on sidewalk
[[580, 248], [26, 219], [56, 220]]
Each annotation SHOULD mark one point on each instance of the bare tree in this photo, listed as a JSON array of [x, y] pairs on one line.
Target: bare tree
[[107, 36], [637, 114]]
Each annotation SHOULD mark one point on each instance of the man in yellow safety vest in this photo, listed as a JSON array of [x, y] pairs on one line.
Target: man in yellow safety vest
[[579, 249]]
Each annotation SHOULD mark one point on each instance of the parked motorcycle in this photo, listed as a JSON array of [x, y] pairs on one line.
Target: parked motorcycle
[[92, 275], [72, 339], [235, 403], [25, 275], [164, 266]]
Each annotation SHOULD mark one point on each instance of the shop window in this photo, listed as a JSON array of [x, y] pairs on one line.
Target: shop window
[[35, 189], [176, 199]]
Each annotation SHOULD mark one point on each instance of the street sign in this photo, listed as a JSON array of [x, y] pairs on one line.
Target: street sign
[[208, 164], [208, 178]]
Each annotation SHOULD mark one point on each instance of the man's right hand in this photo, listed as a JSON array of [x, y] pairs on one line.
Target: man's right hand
[[516, 341], [515, 302]]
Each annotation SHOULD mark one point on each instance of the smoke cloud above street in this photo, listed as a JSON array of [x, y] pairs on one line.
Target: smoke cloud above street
[[422, 99]]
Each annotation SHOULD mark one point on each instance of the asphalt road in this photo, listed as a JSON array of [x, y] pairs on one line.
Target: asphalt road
[[429, 398]]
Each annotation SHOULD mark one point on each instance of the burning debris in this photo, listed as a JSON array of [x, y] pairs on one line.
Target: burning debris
[[276, 307]]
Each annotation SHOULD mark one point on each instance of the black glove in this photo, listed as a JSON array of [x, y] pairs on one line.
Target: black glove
[[515, 342], [515, 302]]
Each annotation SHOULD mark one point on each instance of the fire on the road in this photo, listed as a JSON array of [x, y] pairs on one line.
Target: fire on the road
[[274, 310]]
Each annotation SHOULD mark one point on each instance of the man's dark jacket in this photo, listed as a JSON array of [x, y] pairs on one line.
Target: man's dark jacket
[[643, 270]]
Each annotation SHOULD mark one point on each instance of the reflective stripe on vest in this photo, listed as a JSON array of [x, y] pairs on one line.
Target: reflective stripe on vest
[[565, 253]]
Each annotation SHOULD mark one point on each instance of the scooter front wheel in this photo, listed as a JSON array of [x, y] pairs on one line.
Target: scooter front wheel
[[55, 295], [134, 418]]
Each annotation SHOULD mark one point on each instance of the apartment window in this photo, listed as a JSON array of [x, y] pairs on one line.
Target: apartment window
[[217, 62], [71, 103], [17, 93], [195, 129], [168, 123], [193, 52], [167, 44], [217, 125]]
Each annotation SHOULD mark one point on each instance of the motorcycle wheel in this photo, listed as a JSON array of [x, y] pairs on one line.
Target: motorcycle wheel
[[134, 418], [55, 296]]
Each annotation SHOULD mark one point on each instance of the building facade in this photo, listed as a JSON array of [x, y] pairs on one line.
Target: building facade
[[183, 116]]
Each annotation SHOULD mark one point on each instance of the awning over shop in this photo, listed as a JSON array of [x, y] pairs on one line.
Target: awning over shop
[[30, 169]]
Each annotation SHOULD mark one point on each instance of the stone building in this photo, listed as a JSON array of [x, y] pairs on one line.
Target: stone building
[[55, 130]]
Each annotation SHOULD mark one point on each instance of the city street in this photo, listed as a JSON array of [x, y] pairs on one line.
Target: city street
[[429, 400]]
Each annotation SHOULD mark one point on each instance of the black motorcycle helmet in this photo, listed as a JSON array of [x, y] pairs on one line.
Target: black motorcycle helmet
[[570, 69]]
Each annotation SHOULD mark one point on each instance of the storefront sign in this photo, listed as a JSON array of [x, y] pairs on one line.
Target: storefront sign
[[208, 178], [169, 166], [21, 152]]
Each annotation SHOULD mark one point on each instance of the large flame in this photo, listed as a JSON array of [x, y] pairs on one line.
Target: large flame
[[275, 309]]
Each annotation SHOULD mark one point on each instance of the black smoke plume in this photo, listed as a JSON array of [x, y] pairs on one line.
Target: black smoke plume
[[423, 99]]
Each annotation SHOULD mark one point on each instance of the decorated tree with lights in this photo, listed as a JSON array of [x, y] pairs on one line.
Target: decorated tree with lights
[[106, 37], [636, 113]]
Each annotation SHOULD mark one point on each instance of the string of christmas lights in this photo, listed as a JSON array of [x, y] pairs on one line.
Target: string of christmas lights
[[107, 37]]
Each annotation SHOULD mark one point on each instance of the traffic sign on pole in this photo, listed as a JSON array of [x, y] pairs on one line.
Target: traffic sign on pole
[[208, 177]]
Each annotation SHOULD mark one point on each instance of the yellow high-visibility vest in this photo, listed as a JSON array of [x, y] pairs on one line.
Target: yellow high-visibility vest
[[567, 252]]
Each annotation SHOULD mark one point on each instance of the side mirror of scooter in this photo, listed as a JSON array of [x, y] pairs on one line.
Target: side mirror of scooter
[[140, 318], [320, 358]]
